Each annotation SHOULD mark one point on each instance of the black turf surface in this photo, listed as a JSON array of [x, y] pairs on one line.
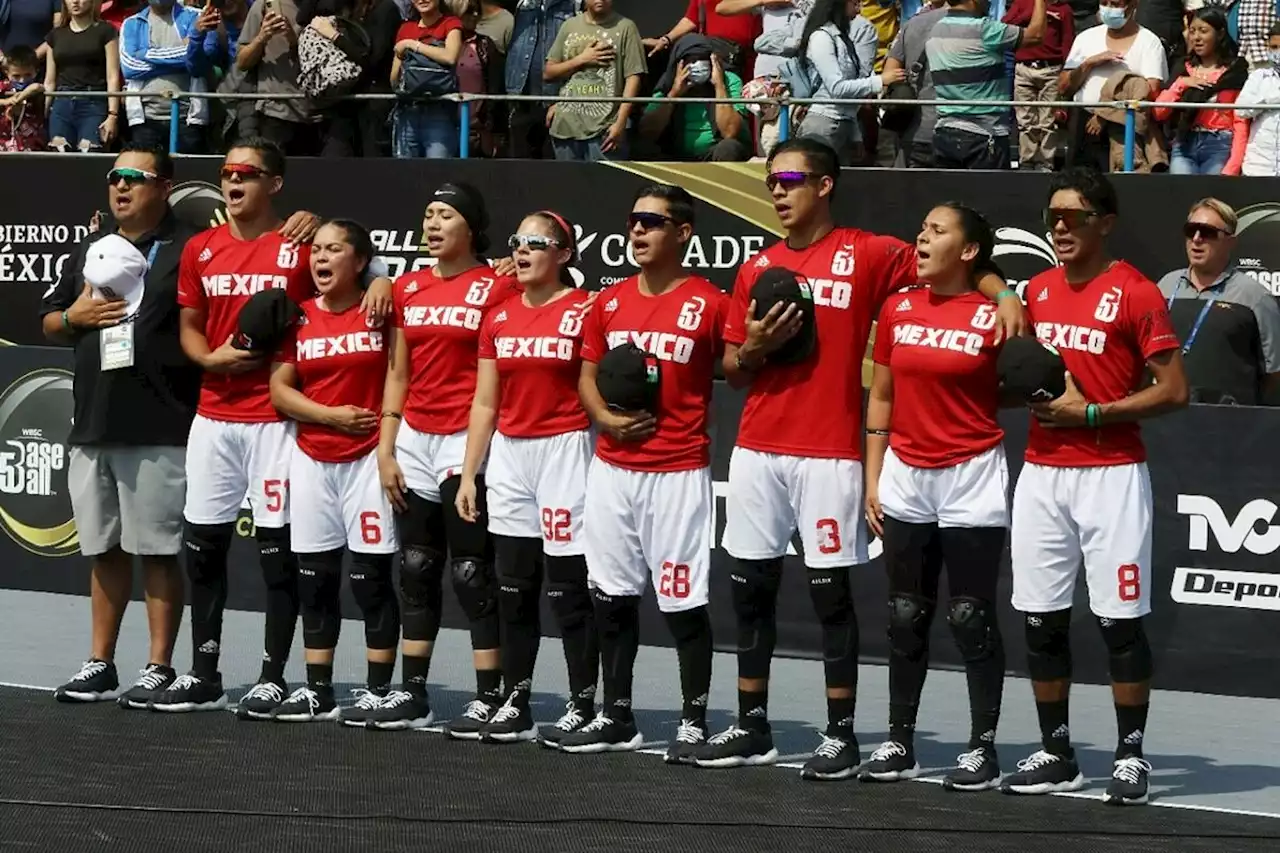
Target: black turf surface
[[75, 778]]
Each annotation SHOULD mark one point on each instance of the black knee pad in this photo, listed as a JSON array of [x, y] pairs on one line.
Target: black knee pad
[[833, 604], [279, 565], [1131, 659], [319, 590], [374, 593], [909, 619], [207, 546], [421, 576], [567, 591], [975, 629], [755, 589], [614, 611], [688, 625], [475, 586], [1048, 645]]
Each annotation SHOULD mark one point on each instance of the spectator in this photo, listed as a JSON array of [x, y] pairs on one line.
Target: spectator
[[1085, 14], [353, 128], [268, 55], [21, 102], [1229, 324], [1254, 20], [596, 53], [537, 24], [733, 36], [1167, 19], [1118, 44], [781, 21], [1207, 142], [1035, 78], [715, 132], [116, 12], [426, 129], [153, 56], [497, 24], [966, 55], [774, 15], [211, 55], [885, 17], [1262, 154], [481, 72], [83, 56], [27, 23], [915, 141]]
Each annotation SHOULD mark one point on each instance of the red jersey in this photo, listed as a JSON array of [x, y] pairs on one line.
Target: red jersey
[[340, 362], [437, 32], [942, 355], [1105, 329], [682, 328], [539, 361], [441, 319], [815, 408], [217, 275]]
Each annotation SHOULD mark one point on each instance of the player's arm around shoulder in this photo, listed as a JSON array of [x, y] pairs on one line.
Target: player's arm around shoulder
[[1147, 322]]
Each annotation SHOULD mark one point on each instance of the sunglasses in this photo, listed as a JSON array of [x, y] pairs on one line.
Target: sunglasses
[[244, 170], [647, 221], [1208, 233], [533, 242], [132, 177], [1073, 218], [787, 180]]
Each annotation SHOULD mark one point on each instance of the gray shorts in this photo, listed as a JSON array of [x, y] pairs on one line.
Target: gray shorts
[[128, 496]]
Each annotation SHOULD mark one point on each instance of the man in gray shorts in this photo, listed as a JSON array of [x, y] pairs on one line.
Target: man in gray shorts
[[135, 397]]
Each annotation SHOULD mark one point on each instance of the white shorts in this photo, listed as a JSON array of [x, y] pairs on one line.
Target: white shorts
[[646, 524], [1101, 515], [770, 496], [428, 459], [230, 462], [537, 488], [972, 493], [337, 504]]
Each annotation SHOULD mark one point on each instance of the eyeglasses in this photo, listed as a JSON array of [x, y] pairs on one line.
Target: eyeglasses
[[1072, 217], [532, 242], [1208, 233], [246, 172], [132, 177], [647, 221], [787, 180]]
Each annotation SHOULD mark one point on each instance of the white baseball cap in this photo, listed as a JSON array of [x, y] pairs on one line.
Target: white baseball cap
[[114, 268]]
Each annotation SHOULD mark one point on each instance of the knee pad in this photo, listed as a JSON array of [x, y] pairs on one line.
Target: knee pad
[[207, 546], [319, 588], [831, 595], [567, 591], [372, 589], [1130, 652], [279, 566], [755, 589], [421, 576], [473, 583], [909, 619], [975, 629], [1049, 645], [688, 625], [614, 612]]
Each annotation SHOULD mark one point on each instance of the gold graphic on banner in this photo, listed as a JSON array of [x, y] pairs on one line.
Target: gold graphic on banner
[[35, 502]]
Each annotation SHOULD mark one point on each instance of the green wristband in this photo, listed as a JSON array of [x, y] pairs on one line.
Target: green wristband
[[1008, 292], [66, 324], [1092, 413]]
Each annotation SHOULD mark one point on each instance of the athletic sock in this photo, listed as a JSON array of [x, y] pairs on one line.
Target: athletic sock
[[619, 623], [414, 670], [379, 675], [902, 724], [319, 675], [1055, 734], [489, 684], [1131, 722], [840, 716], [753, 709]]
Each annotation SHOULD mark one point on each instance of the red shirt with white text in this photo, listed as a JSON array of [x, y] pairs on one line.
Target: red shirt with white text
[[537, 351], [683, 329], [941, 354], [814, 408], [217, 275], [1105, 329]]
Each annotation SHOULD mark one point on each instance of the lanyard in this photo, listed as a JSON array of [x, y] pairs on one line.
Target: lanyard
[[1195, 327]]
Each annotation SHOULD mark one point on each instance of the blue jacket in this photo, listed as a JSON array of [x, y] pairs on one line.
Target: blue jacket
[[537, 22], [205, 52], [140, 62]]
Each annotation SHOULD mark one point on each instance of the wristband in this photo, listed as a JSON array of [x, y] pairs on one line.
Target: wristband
[[66, 324], [1093, 415], [1008, 292], [883, 432], [395, 415]]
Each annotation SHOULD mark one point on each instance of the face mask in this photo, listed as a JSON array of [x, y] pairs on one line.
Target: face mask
[[1112, 17], [700, 72], [1274, 56]]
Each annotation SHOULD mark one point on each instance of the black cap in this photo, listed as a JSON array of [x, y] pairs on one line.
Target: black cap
[[469, 203], [265, 320], [1031, 370], [628, 379], [780, 285]]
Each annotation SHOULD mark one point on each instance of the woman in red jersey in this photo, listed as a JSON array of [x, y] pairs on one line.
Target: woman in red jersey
[[527, 390], [327, 377], [430, 382], [937, 486]]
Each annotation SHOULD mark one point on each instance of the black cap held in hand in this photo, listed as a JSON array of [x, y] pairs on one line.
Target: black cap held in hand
[[629, 379], [1031, 370], [780, 285], [469, 203], [265, 320]]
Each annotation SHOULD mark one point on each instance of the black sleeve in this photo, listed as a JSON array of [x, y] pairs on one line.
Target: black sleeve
[[307, 10], [381, 24], [60, 296]]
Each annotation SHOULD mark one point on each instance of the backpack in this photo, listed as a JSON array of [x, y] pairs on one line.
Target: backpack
[[324, 69]]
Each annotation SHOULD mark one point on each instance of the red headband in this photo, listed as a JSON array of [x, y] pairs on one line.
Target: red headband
[[564, 226]]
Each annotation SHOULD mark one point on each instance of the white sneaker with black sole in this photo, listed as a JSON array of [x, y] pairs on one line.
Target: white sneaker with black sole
[[835, 758], [307, 705], [1044, 773], [603, 734], [152, 682], [738, 747], [1129, 782], [400, 710], [891, 762], [190, 693], [976, 770], [97, 681]]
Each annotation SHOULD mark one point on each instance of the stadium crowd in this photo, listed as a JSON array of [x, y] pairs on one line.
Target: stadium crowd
[[321, 51]]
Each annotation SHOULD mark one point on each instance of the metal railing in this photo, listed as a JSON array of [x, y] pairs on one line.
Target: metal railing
[[784, 103]]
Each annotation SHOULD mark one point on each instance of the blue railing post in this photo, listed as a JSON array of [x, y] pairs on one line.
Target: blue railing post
[[1130, 136], [464, 128], [175, 116], [784, 121]]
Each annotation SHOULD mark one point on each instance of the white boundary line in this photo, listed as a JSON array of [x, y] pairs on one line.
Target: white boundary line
[[932, 780]]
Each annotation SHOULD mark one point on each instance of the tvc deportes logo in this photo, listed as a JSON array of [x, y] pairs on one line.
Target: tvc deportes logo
[[1250, 530]]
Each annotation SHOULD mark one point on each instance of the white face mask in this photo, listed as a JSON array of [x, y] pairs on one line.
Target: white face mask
[[699, 72]]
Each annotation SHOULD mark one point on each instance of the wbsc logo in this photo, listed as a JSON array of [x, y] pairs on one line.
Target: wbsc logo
[[35, 504], [1251, 530]]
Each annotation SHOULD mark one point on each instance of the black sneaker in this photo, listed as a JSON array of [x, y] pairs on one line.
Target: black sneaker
[[307, 705], [96, 681], [976, 770], [467, 726], [1128, 783], [155, 679], [835, 758], [262, 700], [1044, 773], [571, 721], [603, 734], [891, 762], [512, 723], [738, 747], [190, 692], [400, 710], [690, 737], [357, 714]]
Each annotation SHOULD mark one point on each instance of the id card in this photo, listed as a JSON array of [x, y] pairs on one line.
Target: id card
[[117, 346]]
